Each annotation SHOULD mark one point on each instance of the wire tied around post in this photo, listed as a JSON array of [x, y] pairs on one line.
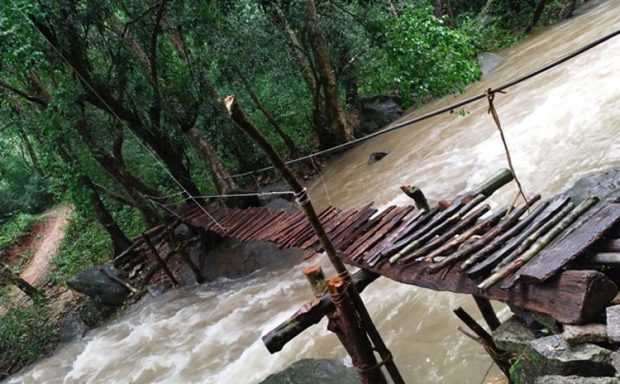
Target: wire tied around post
[[302, 197], [490, 95]]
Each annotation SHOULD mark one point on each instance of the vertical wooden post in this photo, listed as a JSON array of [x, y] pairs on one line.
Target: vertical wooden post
[[357, 343], [160, 261], [239, 116], [485, 339], [316, 278], [487, 311]]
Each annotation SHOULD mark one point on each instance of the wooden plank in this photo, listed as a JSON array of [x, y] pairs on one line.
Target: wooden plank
[[383, 231], [572, 297], [373, 255], [375, 225], [312, 237], [360, 219], [309, 232], [251, 220], [284, 222], [329, 228], [551, 260], [363, 230], [266, 221]]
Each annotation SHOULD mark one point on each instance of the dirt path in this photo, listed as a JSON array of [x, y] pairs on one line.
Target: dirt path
[[46, 245]]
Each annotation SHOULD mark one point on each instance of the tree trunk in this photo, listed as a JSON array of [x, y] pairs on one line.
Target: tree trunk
[[120, 242], [438, 8], [30, 149], [13, 278], [537, 13], [221, 177], [276, 126], [319, 123], [336, 120], [568, 9]]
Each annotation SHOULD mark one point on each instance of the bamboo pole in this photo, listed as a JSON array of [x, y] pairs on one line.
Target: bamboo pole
[[522, 231], [531, 239], [437, 245], [237, 114], [500, 240], [454, 258], [432, 231], [539, 244], [488, 237]]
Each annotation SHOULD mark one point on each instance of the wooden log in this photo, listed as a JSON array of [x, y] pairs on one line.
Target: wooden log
[[539, 244], [572, 297], [417, 195], [521, 232], [8, 275], [534, 236], [118, 280], [487, 311], [357, 343], [572, 246], [310, 314]]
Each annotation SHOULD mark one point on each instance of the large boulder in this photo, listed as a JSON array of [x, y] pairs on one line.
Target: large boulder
[[234, 259], [98, 285], [552, 355], [310, 371], [575, 380], [376, 111], [512, 335]]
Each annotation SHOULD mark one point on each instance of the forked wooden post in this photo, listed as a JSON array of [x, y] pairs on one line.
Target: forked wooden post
[[237, 114]]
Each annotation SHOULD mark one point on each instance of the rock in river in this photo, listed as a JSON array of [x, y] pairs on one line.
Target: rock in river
[[96, 284]]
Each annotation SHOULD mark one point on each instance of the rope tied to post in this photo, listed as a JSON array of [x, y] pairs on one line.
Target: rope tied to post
[[302, 197], [382, 362], [490, 95]]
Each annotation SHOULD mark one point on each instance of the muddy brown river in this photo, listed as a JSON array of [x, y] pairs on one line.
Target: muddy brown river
[[560, 126]]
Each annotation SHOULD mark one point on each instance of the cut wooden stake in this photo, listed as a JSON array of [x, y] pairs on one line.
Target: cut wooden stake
[[417, 195]]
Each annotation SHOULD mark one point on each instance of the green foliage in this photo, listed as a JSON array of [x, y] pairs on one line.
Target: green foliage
[[84, 245], [24, 335], [423, 57], [14, 228]]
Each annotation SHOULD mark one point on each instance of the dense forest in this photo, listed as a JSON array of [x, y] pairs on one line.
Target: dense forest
[[116, 106]]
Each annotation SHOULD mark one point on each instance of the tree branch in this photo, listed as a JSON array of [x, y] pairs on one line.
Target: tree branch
[[33, 99]]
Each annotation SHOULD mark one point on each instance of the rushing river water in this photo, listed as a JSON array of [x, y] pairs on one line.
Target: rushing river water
[[559, 126]]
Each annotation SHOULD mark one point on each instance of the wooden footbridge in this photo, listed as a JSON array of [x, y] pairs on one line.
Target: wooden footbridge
[[554, 257]]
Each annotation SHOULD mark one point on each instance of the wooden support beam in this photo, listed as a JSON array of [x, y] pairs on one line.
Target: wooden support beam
[[487, 311], [161, 262], [485, 339], [571, 297], [310, 314]]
